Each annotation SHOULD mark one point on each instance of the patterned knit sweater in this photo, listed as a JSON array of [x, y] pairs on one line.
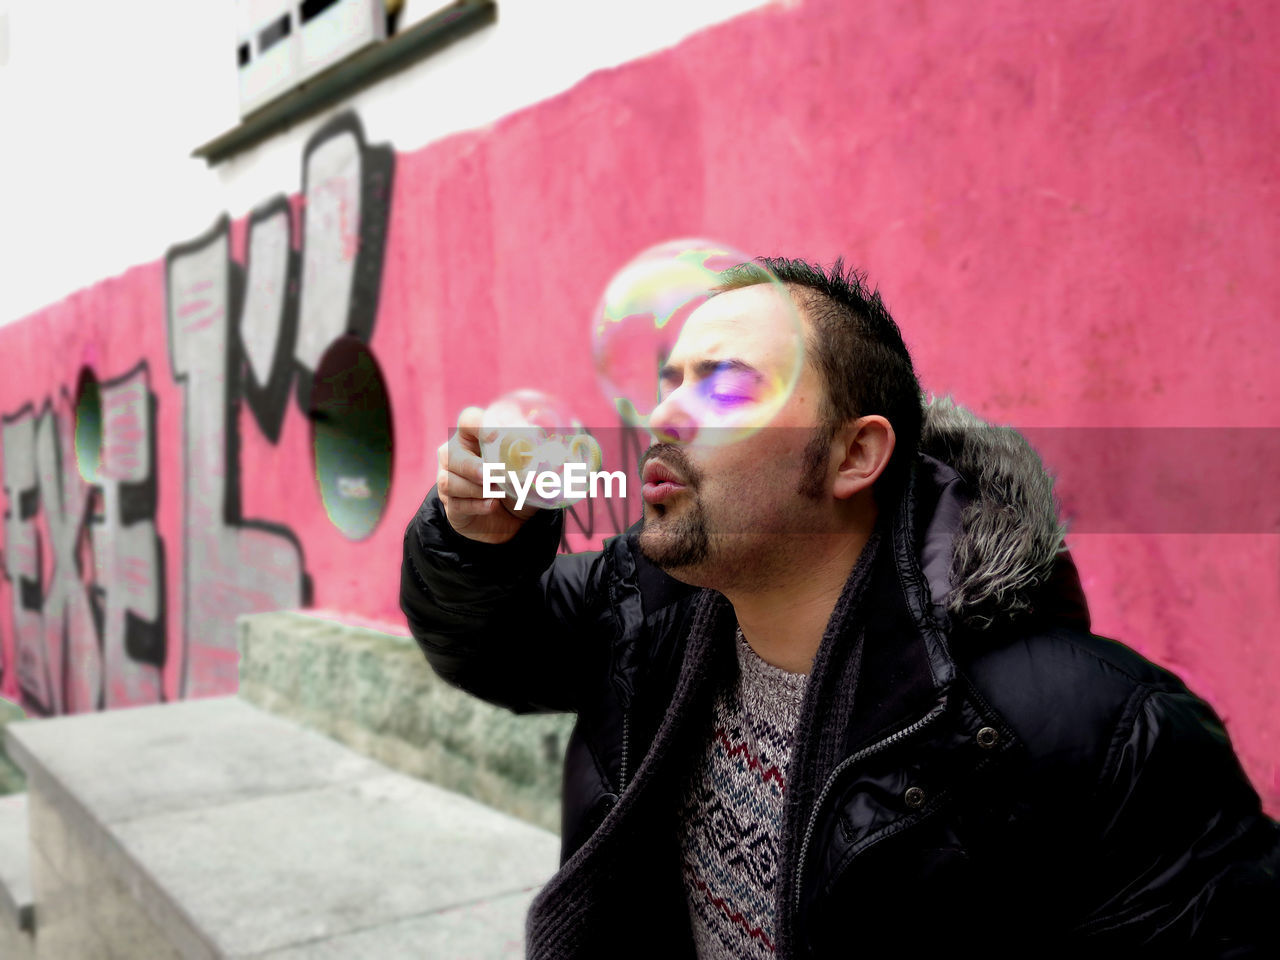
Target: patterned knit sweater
[[732, 811]]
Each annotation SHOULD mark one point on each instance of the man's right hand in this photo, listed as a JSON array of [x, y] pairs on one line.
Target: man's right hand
[[459, 484]]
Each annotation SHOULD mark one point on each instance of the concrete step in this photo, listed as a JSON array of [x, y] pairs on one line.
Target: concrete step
[[214, 829], [15, 867], [17, 914]]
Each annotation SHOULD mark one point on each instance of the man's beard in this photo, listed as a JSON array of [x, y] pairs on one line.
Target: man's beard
[[683, 541], [813, 462]]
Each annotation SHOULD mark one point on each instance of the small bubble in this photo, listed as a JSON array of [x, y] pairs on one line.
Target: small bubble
[[532, 432]]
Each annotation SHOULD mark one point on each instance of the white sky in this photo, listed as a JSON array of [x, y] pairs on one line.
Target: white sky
[[101, 104]]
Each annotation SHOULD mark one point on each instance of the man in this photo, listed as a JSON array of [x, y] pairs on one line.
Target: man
[[837, 694]]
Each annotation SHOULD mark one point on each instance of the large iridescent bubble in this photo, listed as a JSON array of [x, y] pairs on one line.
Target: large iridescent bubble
[[532, 432], [644, 314]]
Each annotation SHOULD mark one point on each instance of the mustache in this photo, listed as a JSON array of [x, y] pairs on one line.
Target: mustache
[[673, 455]]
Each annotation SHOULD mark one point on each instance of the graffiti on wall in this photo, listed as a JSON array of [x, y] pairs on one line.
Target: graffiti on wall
[[231, 565], [83, 558], [24, 568], [82, 555], [589, 521], [128, 553], [245, 335]]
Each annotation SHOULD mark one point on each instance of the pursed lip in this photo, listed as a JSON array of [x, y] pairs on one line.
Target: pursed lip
[[655, 471], [660, 482]]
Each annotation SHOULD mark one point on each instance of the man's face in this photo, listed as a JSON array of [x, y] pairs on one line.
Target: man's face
[[735, 464]]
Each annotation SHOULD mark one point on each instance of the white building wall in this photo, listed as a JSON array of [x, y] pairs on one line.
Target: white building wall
[[101, 104]]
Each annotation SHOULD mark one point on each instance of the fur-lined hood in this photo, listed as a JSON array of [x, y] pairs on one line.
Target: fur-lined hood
[[1009, 543]]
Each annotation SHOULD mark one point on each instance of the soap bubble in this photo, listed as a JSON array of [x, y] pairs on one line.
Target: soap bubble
[[528, 431], [642, 315]]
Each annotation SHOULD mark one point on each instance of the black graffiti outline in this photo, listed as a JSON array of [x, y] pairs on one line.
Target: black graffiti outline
[[619, 518], [269, 401]]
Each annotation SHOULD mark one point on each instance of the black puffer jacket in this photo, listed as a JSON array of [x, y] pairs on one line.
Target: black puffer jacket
[[972, 768]]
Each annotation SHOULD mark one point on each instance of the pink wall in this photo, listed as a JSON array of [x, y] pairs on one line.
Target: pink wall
[[1071, 210]]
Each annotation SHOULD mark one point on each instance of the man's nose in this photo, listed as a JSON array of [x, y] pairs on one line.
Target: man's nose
[[671, 421]]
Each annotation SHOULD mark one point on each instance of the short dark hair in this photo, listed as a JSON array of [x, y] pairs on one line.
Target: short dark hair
[[858, 349]]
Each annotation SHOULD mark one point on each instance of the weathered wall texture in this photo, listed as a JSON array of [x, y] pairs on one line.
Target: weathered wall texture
[[1070, 208]]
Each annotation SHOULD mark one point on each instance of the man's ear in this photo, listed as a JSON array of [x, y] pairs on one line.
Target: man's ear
[[867, 443]]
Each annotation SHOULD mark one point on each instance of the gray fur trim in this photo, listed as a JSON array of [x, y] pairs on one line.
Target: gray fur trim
[[1012, 532]]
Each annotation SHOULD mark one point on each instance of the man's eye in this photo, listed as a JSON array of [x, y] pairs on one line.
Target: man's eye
[[729, 399]]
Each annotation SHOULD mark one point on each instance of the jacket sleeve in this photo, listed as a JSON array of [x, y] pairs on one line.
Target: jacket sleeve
[[1190, 866], [512, 623]]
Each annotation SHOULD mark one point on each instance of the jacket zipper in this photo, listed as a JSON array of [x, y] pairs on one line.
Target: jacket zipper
[[626, 744], [862, 754]]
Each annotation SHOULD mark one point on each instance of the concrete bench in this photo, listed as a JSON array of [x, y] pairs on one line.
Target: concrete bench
[[214, 829]]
